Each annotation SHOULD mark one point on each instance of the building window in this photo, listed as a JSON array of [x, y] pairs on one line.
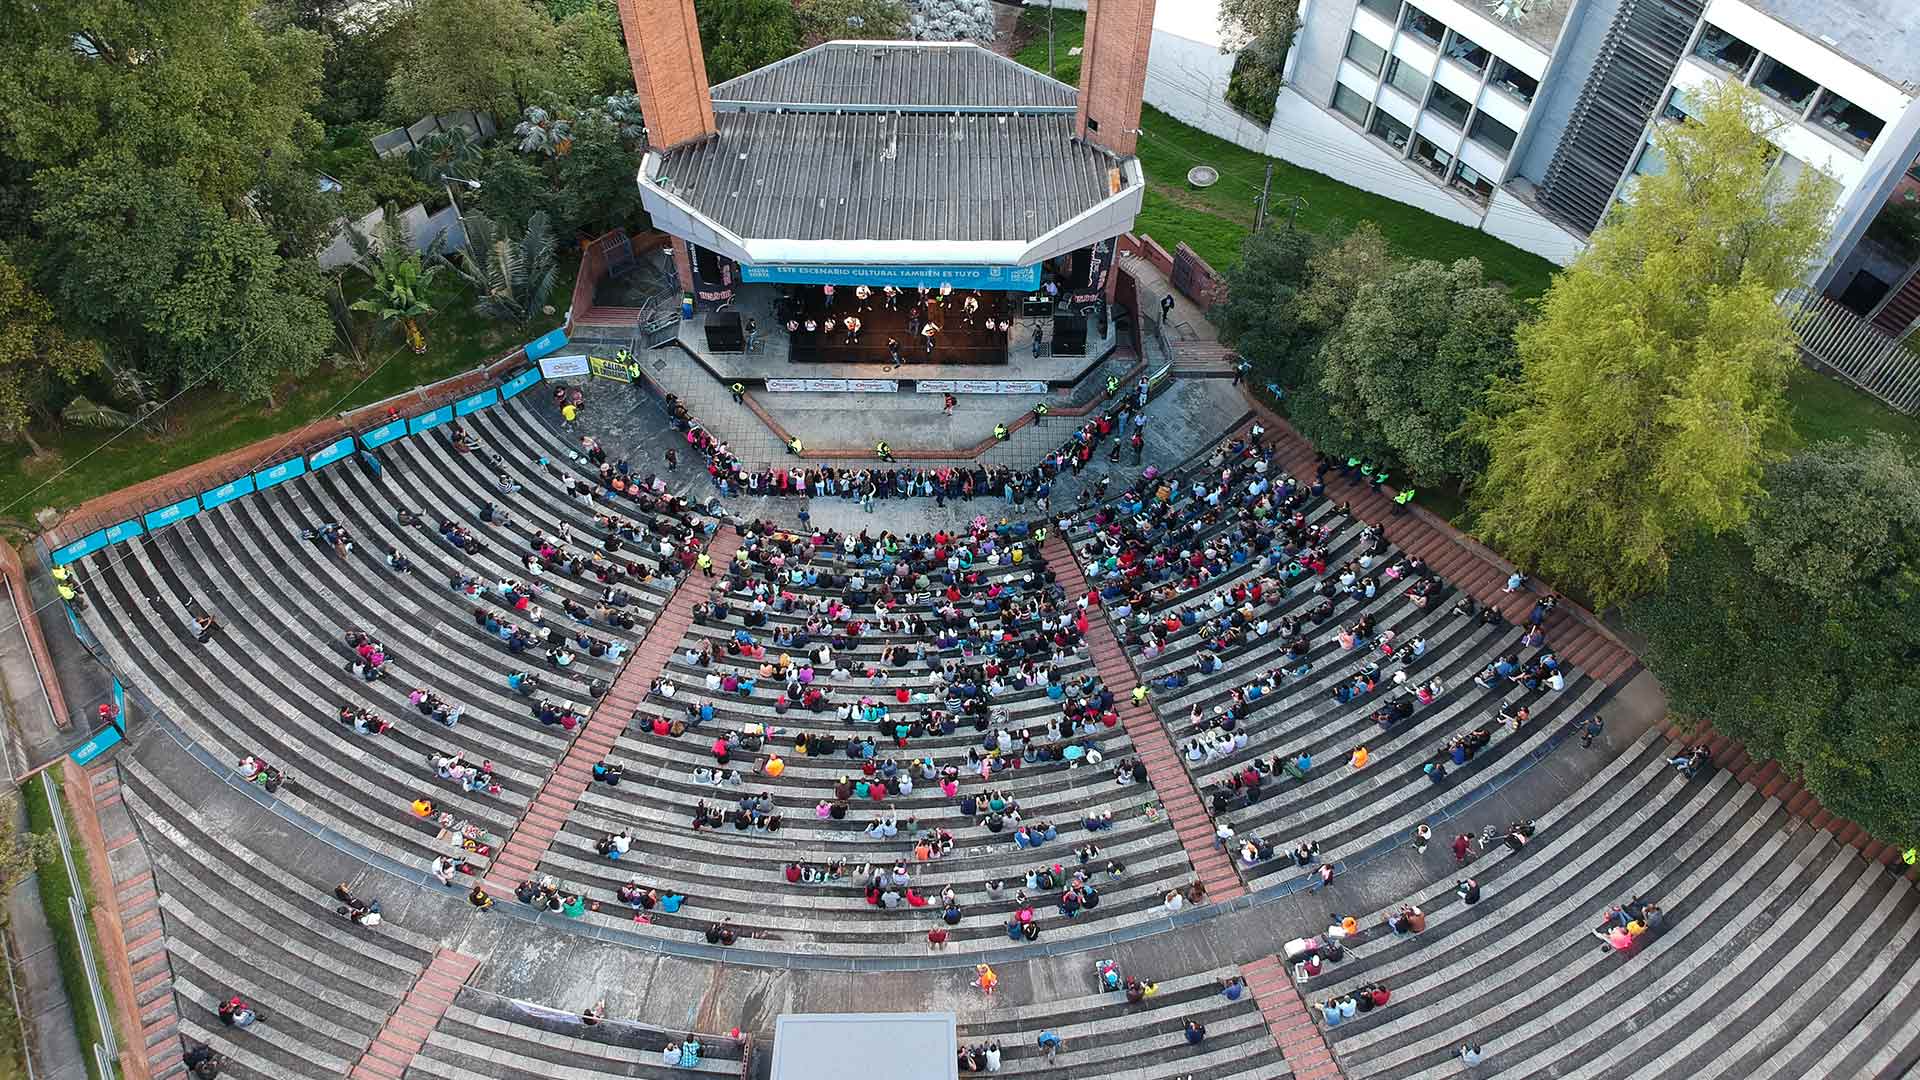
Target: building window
[[1365, 53], [1514, 82], [1461, 50], [1679, 106], [1491, 134], [1389, 131], [1350, 104], [1424, 26], [1386, 9], [1430, 157], [1472, 184], [1449, 106], [1847, 120], [1651, 163], [1407, 79], [1783, 84], [1724, 51]]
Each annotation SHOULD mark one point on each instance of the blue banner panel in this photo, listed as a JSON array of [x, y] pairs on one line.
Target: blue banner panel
[[551, 341], [226, 493], [102, 741], [383, 434], [279, 474], [1009, 278], [330, 454], [477, 402], [80, 548], [126, 530], [167, 515], [430, 420], [520, 382]]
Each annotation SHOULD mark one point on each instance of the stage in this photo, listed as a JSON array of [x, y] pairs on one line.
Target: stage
[[774, 354]]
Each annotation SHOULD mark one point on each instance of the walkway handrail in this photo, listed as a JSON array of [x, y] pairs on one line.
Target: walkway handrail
[[108, 1053]]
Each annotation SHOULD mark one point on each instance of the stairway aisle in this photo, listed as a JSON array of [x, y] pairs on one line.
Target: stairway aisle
[[1178, 797]]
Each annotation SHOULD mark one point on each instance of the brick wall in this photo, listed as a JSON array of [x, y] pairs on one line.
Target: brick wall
[[1113, 72], [669, 70]]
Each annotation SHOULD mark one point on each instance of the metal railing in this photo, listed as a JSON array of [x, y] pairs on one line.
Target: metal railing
[[107, 1050]]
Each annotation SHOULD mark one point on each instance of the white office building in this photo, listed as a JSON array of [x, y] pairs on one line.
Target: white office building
[[1528, 119]]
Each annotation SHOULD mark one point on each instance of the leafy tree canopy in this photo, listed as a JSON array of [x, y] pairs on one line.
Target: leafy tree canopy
[[36, 355], [491, 55], [742, 35], [1412, 360], [1262, 315], [199, 87], [1651, 390], [137, 257]]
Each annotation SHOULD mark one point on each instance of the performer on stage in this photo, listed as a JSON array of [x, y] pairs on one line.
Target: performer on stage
[[927, 332], [972, 307], [793, 326], [852, 323], [861, 293], [813, 325], [893, 297], [828, 325], [893, 350]]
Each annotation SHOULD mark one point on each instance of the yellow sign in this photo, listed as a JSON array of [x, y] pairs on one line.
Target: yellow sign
[[603, 368]]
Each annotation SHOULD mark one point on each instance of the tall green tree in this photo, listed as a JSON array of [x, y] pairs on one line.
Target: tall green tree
[[868, 20], [1412, 360], [593, 185], [1651, 391], [512, 188], [491, 55], [135, 257], [1797, 634], [742, 35], [593, 53], [400, 279], [1261, 314], [199, 87], [37, 356]]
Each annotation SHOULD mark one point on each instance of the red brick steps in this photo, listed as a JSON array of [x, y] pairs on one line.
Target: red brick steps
[[414, 1018], [1165, 771], [1286, 1012], [547, 814]]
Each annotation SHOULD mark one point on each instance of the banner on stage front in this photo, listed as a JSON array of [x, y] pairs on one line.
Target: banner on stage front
[[606, 368], [1007, 278], [833, 386], [564, 367], [980, 386]]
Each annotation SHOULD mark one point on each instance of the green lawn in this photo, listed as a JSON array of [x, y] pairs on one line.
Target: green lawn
[[55, 890], [206, 424], [1213, 221], [1826, 408]]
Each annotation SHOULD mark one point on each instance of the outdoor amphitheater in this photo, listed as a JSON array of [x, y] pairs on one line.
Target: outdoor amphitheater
[[1031, 699]]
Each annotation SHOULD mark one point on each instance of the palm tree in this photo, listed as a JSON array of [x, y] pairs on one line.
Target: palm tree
[[401, 278], [544, 132], [433, 158], [511, 278]]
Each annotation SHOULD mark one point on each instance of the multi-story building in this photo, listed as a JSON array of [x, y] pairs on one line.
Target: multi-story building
[[1529, 118]]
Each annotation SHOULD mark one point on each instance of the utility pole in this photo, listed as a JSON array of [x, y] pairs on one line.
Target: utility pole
[[1260, 212], [1049, 39]]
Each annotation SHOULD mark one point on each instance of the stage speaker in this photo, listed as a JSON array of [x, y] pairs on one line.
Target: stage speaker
[[1070, 335], [1037, 306], [724, 334]]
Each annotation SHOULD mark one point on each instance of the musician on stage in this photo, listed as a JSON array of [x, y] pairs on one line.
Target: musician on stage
[[852, 323]]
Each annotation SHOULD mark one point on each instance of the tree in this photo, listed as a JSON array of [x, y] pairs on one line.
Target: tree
[[544, 132], [199, 296], [593, 186], [1808, 662], [453, 152], [1411, 361], [37, 356], [1242, 22], [593, 54], [1839, 519], [1261, 315], [742, 35], [490, 55], [199, 87], [868, 20], [1337, 272], [512, 278], [401, 278], [512, 189], [1651, 389]]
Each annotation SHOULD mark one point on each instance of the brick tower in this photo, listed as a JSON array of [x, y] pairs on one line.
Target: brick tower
[[1113, 72], [670, 77]]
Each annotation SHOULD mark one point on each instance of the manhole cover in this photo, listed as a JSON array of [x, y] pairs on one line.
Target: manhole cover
[[1202, 176]]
